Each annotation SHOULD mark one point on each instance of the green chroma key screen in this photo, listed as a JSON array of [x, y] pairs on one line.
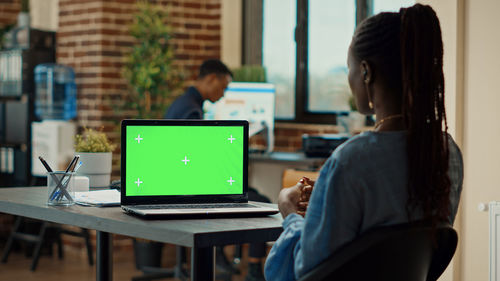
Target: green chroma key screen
[[184, 160]]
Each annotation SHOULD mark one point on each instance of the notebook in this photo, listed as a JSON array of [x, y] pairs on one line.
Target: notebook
[[98, 198], [186, 167]]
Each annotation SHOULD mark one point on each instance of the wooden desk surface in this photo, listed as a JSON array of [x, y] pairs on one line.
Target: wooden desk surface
[[31, 202]]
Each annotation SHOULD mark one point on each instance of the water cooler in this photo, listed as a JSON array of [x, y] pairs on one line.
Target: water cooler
[[55, 106]]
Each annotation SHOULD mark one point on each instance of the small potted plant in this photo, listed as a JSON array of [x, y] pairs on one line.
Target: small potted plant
[[95, 152]]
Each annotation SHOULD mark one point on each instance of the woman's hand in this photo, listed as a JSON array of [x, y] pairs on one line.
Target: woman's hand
[[305, 195], [289, 198]]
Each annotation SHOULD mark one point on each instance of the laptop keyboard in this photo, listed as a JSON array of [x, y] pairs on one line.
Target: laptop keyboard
[[196, 206]]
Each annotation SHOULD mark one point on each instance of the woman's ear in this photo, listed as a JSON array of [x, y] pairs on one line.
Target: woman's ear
[[366, 72]]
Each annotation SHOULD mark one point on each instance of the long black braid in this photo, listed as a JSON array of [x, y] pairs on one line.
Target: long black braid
[[408, 49]]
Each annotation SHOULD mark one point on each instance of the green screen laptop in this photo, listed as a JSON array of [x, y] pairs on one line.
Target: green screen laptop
[[186, 167]]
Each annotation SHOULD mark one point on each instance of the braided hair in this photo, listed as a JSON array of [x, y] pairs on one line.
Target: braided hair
[[407, 48]]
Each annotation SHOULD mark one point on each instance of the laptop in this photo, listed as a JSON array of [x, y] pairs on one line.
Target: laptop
[[186, 167]]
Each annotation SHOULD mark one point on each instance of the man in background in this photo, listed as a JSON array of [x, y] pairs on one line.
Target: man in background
[[211, 83]]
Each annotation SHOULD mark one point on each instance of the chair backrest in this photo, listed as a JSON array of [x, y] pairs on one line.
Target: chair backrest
[[406, 252], [292, 176]]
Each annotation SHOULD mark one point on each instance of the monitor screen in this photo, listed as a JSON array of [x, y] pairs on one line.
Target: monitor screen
[[168, 160], [254, 102]]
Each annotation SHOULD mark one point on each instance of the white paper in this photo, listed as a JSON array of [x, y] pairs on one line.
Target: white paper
[[108, 197]]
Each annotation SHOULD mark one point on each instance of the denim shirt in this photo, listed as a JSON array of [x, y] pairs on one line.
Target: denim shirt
[[362, 185]]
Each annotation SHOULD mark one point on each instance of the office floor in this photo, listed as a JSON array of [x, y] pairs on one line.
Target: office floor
[[75, 267]]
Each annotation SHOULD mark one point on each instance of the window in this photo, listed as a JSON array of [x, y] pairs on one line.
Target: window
[[304, 51], [278, 52], [390, 5], [330, 29]]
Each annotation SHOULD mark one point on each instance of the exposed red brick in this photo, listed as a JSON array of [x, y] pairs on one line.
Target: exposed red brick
[[73, 22], [67, 44], [287, 132], [181, 36], [203, 57], [213, 6], [211, 47], [122, 21], [191, 47], [104, 53], [181, 56], [79, 54], [111, 75], [108, 31], [85, 75], [62, 54], [206, 16], [112, 10], [192, 5], [102, 20], [213, 26], [124, 43], [193, 26], [207, 37]]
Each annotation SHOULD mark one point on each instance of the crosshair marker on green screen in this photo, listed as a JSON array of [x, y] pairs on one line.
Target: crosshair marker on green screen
[[184, 160]]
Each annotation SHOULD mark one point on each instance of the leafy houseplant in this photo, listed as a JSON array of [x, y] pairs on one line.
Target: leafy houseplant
[[249, 73], [148, 69], [95, 152]]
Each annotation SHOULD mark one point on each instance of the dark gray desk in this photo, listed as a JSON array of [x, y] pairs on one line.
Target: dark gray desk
[[199, 234]]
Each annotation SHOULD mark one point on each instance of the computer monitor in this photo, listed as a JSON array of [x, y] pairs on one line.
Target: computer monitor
[[254, 102]]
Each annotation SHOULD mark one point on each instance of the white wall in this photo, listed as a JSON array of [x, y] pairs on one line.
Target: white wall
[[481, 131], [472, 68]]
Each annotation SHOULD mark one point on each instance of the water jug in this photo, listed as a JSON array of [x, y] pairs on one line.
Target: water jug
[[55, 92]]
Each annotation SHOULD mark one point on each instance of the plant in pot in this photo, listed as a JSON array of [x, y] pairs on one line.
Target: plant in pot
[[95, 152], [153, 80], [249, 73]]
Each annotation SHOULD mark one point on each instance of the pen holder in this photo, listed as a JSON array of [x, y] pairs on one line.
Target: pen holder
[[60, 187]]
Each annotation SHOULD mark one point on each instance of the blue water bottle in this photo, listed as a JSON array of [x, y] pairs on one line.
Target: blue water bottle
[[55, 92]]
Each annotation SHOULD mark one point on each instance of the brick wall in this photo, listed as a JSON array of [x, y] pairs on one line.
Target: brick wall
[[93, 38], [8, 11]]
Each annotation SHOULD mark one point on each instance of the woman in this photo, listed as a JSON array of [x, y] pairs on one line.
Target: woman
[[407, 169]]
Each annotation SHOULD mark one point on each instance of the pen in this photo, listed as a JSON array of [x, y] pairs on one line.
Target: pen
[[47, 167], [54, 177], [65, 184], [59, 183], [58, 194]]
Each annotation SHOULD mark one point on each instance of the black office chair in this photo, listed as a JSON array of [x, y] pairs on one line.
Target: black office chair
[[393, 253]]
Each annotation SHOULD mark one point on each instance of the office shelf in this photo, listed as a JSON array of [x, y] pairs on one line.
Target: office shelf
[[17, 109], [20, 146], [19, 98]]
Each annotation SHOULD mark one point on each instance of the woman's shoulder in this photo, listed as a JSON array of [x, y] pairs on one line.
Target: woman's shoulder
[[370, 142]]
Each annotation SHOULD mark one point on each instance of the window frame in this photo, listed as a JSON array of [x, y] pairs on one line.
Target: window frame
[[254, 9]]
